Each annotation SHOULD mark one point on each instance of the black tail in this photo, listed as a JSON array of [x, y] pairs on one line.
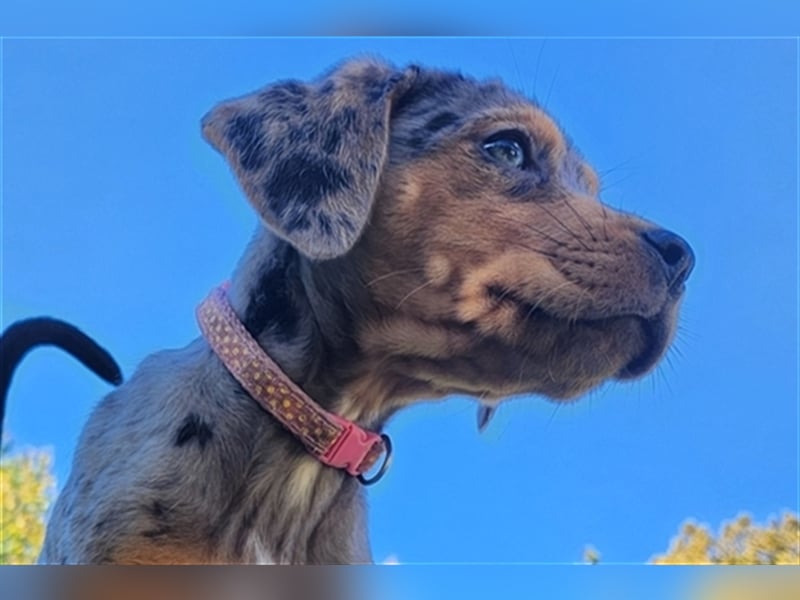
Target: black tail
[[23, 336]]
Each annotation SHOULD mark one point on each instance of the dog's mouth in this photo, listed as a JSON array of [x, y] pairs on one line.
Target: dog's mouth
[[657, 336], [654, 333], [657, 333]]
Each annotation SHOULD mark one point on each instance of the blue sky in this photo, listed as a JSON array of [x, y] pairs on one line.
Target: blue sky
[[118, 217], [512, 17]]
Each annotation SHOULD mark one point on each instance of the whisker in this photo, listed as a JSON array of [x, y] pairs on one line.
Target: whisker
[[392, 274], [607, 186], [668, 360], [674, 348], [610, 366], [412, 292], [664, 377], [577, 305], [538, 231], [535, 230], [522, 365], [545, 297], [567, 229], [582, 220], [550, 370], [605, 218], [520, 80], [616, 167], [552, 84], [530, 248], [553, 415], [536, 71], [685, 332], [506, 292]]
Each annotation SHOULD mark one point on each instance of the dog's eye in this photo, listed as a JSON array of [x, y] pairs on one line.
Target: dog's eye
[[507, 147]]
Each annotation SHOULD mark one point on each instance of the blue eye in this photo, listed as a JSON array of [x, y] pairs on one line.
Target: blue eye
[[505, 147]]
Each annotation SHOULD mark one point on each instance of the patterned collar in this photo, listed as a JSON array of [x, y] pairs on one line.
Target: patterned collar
[[331, 439]]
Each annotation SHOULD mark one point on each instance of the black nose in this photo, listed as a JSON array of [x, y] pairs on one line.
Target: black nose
[[675, 252]]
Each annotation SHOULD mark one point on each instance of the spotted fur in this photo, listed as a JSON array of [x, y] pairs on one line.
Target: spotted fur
[[395, 260]]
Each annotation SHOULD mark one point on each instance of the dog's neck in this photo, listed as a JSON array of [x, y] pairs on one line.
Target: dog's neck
[[315, 512]]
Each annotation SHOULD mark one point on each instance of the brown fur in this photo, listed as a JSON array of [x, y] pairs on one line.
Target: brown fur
[[566, 254]]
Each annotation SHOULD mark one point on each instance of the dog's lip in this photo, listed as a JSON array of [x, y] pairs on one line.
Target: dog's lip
[[657, 335], [654, 329], [656, 339]]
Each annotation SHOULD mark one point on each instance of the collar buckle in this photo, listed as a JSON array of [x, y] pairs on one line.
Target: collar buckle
[[357, 450]]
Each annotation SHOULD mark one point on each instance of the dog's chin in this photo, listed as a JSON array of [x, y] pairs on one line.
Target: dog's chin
[[657, 334], [649, 338]]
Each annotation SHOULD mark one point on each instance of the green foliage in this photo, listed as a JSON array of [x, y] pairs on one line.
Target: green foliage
[[26, 490]]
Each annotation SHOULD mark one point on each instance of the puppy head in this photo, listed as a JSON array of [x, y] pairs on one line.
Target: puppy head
[[488, 264]]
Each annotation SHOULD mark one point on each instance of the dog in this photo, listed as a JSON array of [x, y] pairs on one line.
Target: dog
[[421, 234]]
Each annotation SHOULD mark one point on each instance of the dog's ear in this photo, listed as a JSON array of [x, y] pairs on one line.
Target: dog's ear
[[309, 155]]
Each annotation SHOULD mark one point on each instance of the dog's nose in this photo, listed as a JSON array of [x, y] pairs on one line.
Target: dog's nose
[[675, 253]]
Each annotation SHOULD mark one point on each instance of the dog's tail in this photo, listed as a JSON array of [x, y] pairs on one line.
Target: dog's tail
[[23, 336]]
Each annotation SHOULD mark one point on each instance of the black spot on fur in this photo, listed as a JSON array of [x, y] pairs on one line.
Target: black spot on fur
[[157, 510], [244, 134], [332, 141], [301, 179], [273, 96], [409, 98], [440, 121], [327, 87], [376, 89], [283, 94], [418, 142], [346, 222], [346, 119], [193, 427], [304, 134], [158, 532], [294, 87], [295, 219], [159, 514], [101, 526], [273, 303], [325, 225], [429, 89]]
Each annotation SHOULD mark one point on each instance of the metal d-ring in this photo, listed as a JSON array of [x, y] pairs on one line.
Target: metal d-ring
[[387, 442]]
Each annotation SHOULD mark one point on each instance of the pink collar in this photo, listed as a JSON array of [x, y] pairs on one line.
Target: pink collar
[[333, 440]]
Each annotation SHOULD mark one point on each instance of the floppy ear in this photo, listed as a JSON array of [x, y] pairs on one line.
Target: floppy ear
[[309, 156]]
